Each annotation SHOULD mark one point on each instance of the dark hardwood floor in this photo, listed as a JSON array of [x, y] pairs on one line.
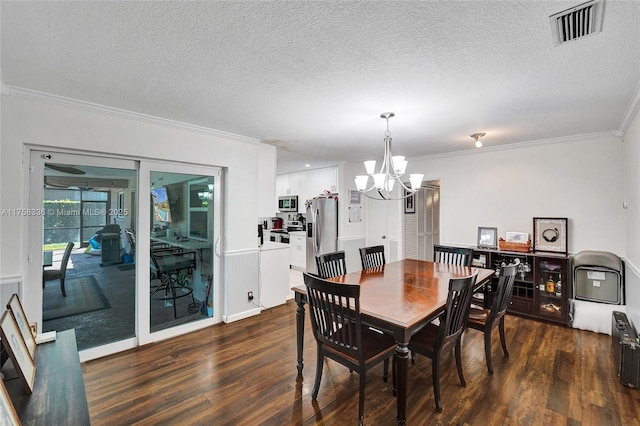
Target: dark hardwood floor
[[244, 373]]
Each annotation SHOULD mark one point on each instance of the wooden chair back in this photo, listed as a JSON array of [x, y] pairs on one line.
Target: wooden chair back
[[331, 264], [371, 257], [504, 291], [335, 315], [456, 312], [452, 255]]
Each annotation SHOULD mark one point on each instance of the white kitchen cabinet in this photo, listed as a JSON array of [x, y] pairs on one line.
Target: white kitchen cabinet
[[329, 179], [282, 185], [307, 184], [298, 250]]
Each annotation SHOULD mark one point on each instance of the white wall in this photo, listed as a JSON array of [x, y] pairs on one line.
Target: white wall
[[41, 122], [577, 178], [631, 156]]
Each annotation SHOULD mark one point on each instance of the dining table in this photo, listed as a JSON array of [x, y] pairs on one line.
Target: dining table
[[398, 298]]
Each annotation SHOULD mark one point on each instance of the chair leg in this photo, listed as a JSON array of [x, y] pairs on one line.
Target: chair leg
[[385, 370], [503, 340], [319, 365], [487, 349], [394, 374], [458, 351], [361, 399], [435, 374], [64, 293]]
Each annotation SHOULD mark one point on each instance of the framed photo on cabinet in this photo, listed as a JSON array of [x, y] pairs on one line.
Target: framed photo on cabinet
[[15, 307], [487, 237], [14, 344], [550, 234], [8, 413]]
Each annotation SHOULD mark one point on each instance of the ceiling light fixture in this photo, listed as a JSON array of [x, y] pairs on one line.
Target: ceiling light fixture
[[476, 136], [391, 170]]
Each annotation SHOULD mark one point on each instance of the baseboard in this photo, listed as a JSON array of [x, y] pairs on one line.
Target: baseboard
[[241, 315]]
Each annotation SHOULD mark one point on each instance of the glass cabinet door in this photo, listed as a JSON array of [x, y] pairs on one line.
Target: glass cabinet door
[[551, 278]]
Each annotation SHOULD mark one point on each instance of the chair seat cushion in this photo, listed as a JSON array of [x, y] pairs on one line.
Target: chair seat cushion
[[424, 340], [51, 274], [478, 314], [374, 345]]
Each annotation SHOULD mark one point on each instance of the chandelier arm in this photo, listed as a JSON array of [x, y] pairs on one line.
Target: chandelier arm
[[382, 197]]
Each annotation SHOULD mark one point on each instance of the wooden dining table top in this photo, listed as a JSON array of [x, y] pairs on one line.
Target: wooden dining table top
[[407, 292]]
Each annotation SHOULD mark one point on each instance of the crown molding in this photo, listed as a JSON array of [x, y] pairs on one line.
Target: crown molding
[[117, 112], [519, 145], [630, 113]]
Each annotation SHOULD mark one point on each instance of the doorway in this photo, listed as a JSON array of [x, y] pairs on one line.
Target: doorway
[[422, 229], [111, 251], [87, 203]]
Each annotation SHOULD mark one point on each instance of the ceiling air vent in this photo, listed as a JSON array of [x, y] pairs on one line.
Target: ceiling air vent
[[577, 22]]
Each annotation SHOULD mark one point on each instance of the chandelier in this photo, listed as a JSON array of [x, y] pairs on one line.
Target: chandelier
[[391, 170]]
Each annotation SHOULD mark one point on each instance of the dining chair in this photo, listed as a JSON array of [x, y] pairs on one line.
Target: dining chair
[[59, 274], [331, 264], [372, 256], [433, 339], [334, 309], [452, 255], [483, 319]]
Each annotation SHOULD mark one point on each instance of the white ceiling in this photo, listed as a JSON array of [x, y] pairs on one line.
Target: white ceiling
[[313, 77]]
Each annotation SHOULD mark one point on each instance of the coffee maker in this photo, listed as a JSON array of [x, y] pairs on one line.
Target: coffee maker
[[277, 222]]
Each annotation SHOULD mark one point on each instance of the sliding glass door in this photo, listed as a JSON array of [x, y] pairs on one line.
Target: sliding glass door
[[183, 224], [78, 197]]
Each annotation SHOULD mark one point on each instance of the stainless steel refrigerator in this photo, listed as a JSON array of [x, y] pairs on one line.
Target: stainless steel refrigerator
[[322, 229]]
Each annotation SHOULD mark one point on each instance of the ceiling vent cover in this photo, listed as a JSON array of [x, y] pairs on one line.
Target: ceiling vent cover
[[577, 22]]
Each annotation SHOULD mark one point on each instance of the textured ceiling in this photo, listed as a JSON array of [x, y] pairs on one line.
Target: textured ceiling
[[313, 77]]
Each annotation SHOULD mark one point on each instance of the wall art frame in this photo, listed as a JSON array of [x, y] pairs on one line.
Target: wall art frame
[[551, 234], [487, 237], [409, 203]]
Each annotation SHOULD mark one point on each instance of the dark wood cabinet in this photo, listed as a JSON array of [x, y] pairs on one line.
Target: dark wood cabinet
[[541, 282]]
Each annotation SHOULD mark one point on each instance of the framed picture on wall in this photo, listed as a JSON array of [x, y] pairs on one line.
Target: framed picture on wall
[[487, 237], [409, 203], [550, 234]]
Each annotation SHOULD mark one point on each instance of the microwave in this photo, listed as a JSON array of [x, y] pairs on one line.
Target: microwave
[[288, 203]]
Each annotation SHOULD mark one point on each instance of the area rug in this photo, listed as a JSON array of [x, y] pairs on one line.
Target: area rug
[[83, 295], [127, 266]]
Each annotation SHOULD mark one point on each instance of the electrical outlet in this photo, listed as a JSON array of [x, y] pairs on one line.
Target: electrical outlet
[[250, 296]]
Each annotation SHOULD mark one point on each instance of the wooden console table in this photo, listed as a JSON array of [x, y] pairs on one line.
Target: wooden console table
[[58, 396]]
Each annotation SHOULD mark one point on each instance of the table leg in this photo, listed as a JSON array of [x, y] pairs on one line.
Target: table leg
[[402, 366], [300, 301]]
